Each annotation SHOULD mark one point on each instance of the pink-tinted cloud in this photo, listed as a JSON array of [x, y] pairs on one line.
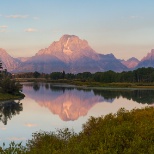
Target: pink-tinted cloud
[[30, 30], [2, 30], [4, 26], [17, 16], [3, 128], [30, 125]]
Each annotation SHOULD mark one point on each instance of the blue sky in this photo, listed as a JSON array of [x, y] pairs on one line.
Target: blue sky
[[124, 28]]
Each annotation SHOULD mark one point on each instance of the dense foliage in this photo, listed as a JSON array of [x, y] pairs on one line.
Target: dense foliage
[[145, 75], [10, 86], [124, 132]]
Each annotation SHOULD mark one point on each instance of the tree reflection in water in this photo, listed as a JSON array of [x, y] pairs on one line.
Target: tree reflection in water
[[36, 86], [8, 109], [139, 96]]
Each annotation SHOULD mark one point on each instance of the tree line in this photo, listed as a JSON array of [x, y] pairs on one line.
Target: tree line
[[145, 75]]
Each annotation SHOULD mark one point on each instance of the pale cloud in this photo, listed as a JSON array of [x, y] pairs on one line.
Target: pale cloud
[[132, 17], [2, 30], [3, 128], [4, 26], [30, 30], [30, 125], [17, 16], [16, 138], [36, 18], [135, 17]]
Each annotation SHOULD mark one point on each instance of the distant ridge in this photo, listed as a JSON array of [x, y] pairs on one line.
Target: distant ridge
[[147, 61], [131, 63], [72, 55]]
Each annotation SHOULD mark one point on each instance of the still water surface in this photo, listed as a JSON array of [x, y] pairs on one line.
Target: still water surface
[[49, 107]]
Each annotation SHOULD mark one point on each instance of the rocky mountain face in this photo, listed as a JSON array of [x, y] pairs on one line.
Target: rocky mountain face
[[109, 62], [147, 61], [23, 59], [72, 55], [130, 63], [9, 62]]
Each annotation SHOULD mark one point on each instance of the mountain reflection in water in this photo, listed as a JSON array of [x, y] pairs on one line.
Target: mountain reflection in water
[[8, 109], [70, 103]]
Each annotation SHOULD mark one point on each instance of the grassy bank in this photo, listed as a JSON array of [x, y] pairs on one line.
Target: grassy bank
[[125, 132], [5, 96], [89, 83]]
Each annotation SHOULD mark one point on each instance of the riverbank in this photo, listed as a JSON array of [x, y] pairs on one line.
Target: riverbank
[[89, 83], [6, 96]]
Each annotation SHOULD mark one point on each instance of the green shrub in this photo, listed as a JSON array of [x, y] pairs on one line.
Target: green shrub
[[126, 132], [10, 86]]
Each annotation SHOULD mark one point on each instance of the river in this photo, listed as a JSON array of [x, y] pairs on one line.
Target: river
[[49, 107]]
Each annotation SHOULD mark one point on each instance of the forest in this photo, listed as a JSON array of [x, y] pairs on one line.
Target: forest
[[141, 75]]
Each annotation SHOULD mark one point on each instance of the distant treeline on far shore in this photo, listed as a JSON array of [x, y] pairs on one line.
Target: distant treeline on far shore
[[139, 75]]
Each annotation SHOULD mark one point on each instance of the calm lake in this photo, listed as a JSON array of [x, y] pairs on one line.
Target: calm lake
[[49, 107]]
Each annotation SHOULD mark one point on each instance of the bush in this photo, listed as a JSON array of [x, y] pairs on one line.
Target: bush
[[10, 86]]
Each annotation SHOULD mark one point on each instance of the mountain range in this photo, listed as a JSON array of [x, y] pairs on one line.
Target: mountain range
[[130, 63], [72, 55]]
